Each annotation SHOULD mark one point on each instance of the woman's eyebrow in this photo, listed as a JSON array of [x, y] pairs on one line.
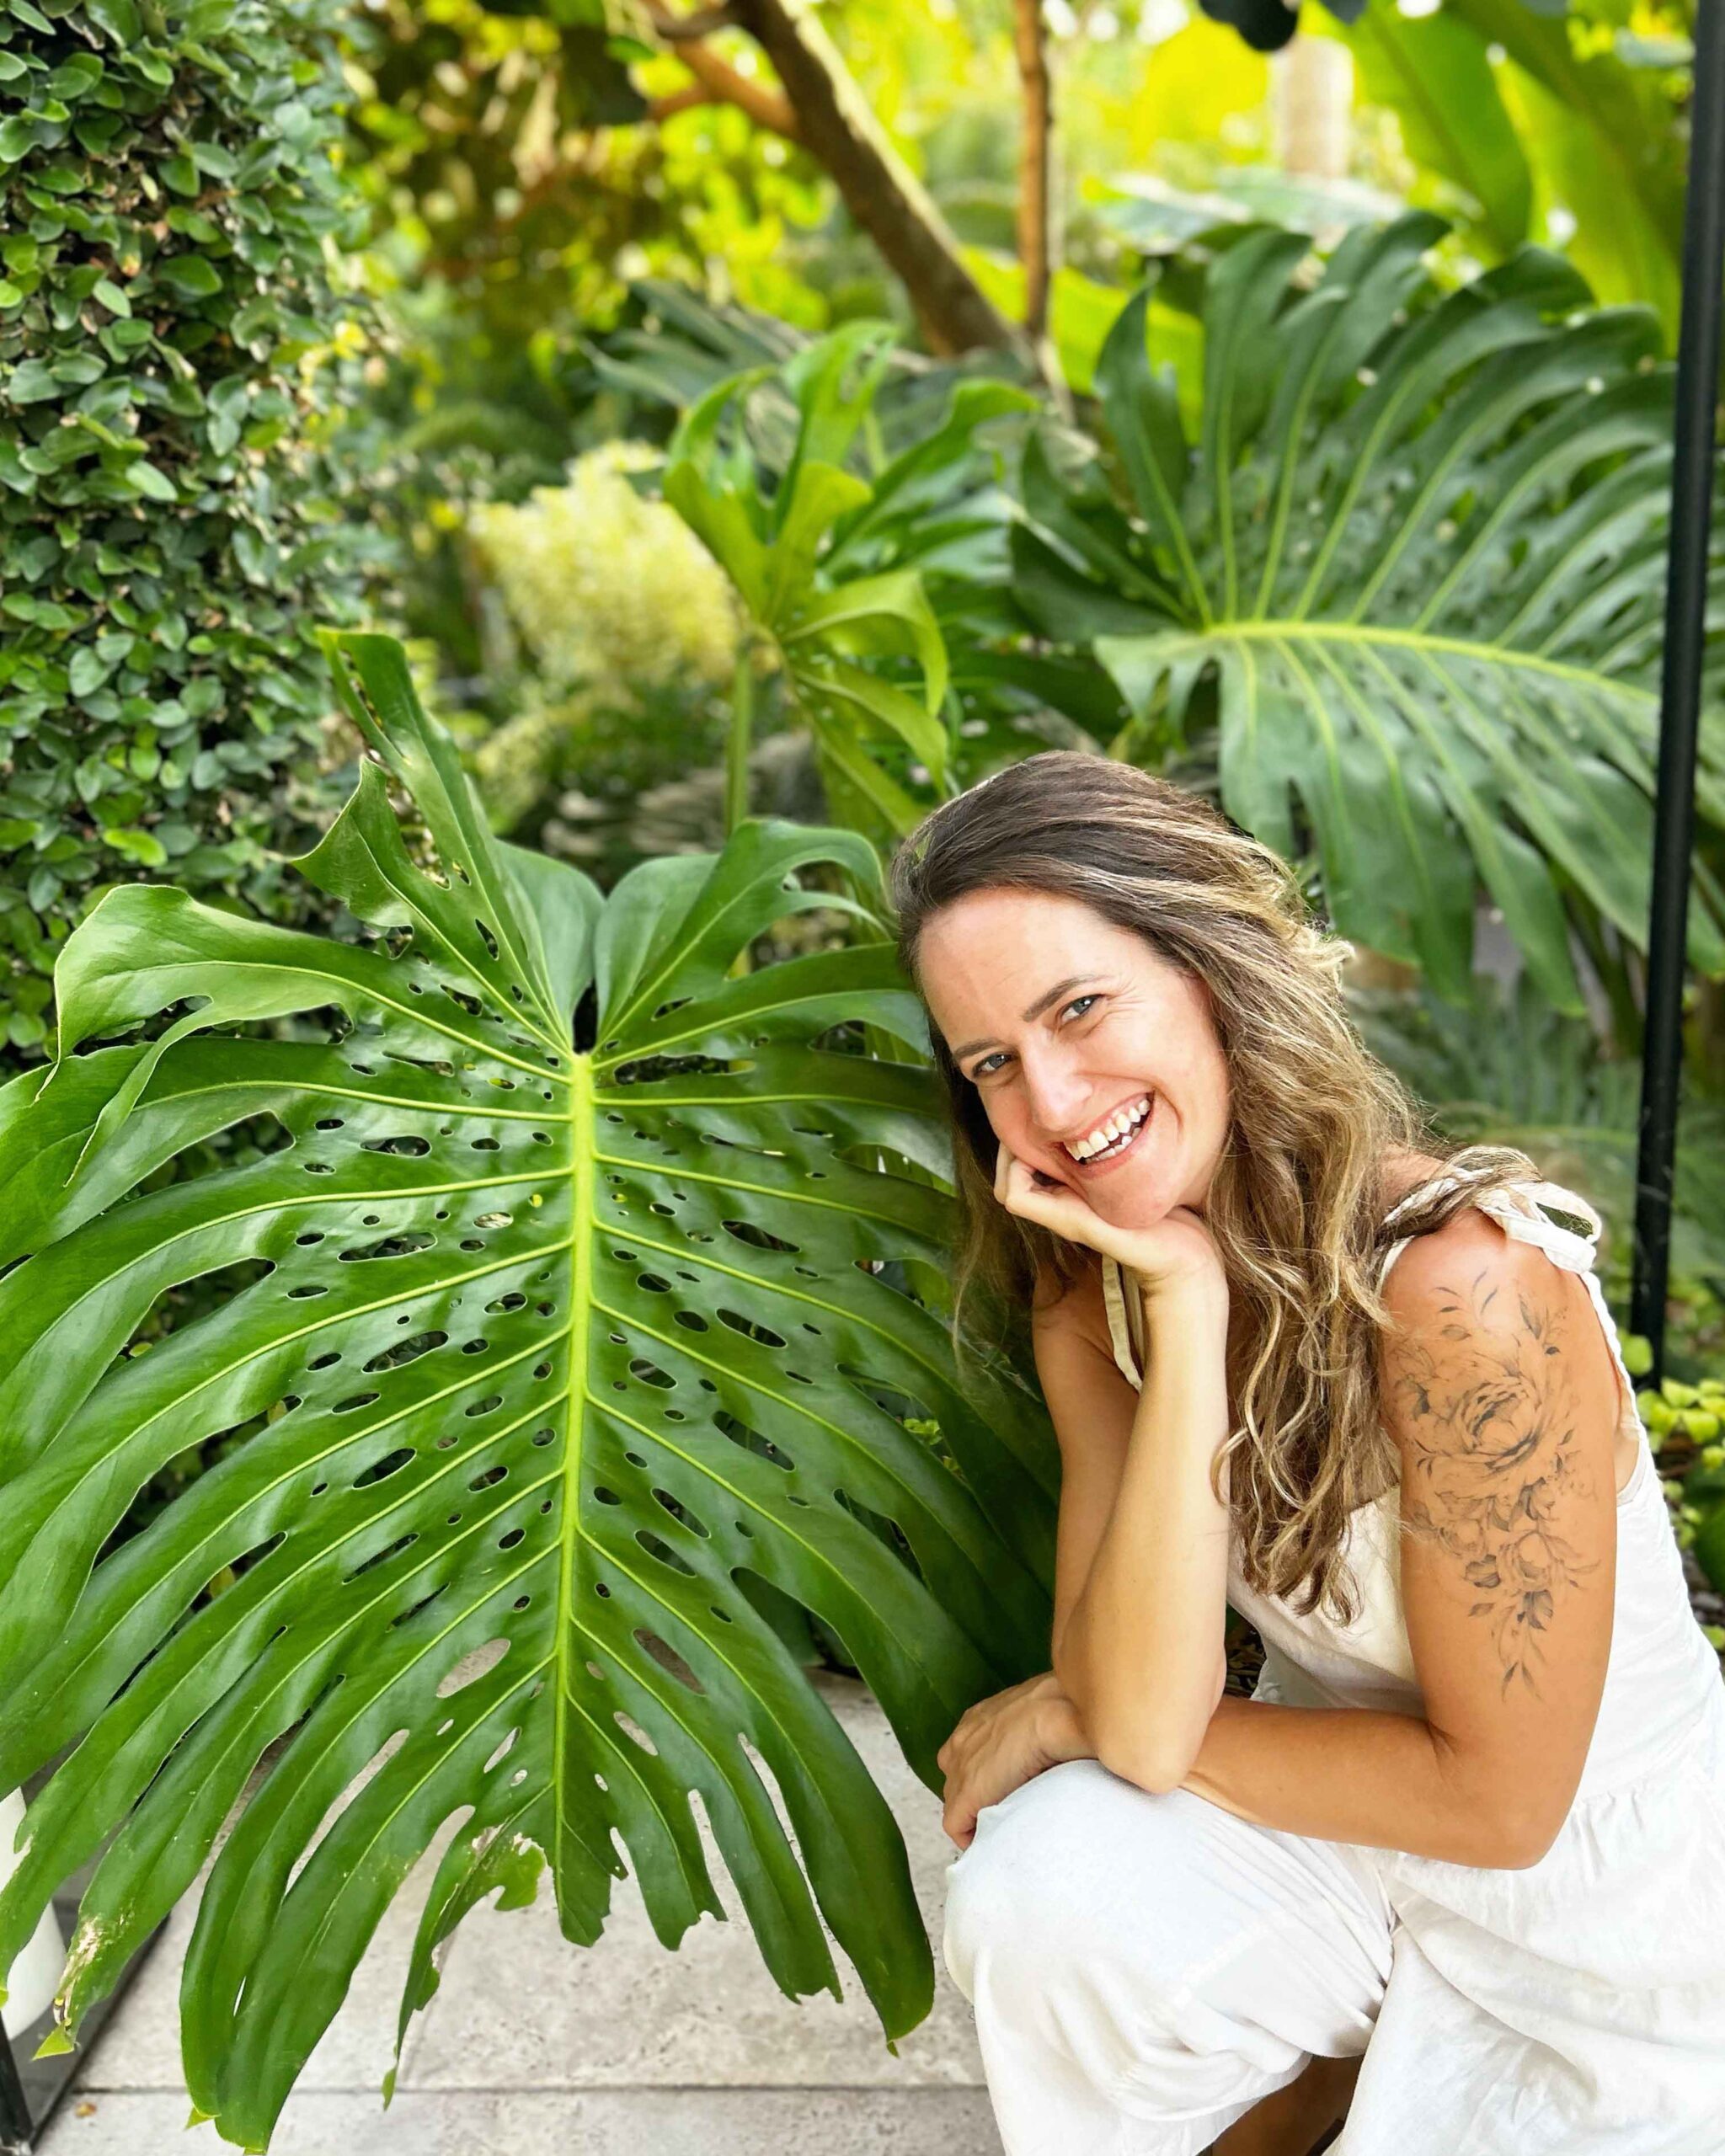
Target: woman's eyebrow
[[1035, 1011]]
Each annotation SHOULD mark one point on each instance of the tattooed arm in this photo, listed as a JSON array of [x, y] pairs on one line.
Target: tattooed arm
[[1500, 1392]]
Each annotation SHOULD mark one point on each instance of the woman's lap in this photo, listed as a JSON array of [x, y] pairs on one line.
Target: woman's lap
[[1138, 1959]]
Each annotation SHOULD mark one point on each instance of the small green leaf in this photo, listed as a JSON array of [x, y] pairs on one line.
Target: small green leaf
[[75, 77], [87, 672], [31, 382], [139, 845], [111, 296], [188, 275], [118, 18], [147, 478]]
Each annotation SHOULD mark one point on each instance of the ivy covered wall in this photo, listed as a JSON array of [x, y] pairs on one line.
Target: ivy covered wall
[[177, 343]]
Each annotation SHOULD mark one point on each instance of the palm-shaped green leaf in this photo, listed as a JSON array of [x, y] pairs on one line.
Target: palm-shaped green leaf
[[559, 1331], [1419, 551]]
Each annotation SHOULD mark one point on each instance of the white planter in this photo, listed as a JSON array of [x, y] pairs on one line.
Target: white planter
[[36, 1971]]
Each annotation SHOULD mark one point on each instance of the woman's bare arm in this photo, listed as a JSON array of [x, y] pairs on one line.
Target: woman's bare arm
[[1142, 1562], [1500, 1393], [1092, 1405]]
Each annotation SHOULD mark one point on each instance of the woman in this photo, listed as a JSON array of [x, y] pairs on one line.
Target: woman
[[1474, 1809]]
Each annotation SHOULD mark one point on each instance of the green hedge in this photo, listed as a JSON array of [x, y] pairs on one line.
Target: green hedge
[[173, 360]]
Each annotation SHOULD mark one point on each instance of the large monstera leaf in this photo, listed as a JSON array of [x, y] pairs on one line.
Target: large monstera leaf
[[552, 1314], [1414, 565]]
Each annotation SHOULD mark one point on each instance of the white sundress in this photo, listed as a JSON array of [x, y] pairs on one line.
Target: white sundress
[[1575, 2006]]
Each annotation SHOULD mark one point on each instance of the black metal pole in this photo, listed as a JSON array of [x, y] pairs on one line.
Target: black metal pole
[[18, 2132], [1680, 695]]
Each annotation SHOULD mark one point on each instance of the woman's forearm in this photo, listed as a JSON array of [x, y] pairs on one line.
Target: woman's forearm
[[1142, 1652], [1353, 1774]]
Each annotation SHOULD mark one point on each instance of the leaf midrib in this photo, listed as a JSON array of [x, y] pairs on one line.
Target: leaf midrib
[[1420, 640], [579, 1107]]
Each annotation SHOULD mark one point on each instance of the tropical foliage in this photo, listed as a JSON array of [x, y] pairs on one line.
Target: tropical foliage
[[1505, 1069], [171, 347], [1411, 573], [828, 565], [1525, 111], [563, 1335]]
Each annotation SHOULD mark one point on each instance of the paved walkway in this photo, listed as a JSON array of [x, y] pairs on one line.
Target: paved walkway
[[531, 2045]]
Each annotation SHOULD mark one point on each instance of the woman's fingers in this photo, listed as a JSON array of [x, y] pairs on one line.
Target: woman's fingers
[[1063, 1212], [958, 1820]]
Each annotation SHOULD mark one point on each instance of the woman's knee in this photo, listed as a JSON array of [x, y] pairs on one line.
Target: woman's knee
[[1039, 1882]]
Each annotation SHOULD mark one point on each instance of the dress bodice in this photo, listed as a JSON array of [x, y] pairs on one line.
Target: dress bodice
[[1661, 1671]]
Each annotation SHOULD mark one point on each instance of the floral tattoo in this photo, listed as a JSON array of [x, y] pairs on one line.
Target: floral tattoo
[[1494, 1455]]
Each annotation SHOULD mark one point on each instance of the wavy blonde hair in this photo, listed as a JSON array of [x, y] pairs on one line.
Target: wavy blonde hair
[[1297, 1204]]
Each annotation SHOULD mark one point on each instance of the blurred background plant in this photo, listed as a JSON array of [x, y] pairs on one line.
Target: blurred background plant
[[609, 632]]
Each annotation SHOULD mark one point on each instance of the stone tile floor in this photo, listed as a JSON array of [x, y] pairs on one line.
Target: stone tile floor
[[531, 2045]]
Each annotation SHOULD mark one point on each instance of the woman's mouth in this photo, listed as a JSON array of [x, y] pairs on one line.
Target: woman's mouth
[[1114, 1138]]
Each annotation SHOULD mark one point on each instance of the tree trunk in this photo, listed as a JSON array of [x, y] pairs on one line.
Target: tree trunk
[[878, 189], [1035, 221], [1312, 102]]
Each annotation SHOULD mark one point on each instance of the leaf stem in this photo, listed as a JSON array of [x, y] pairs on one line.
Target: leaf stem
[[741, 738]]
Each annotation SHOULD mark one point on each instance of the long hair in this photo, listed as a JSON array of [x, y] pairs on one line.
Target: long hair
[[1297, 1203]]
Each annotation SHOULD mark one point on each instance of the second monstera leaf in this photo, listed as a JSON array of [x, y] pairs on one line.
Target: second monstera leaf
[[1414, 565], [552, 1314]]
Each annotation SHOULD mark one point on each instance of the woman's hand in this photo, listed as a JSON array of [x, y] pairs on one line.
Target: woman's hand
[[1177, 1252], [1002, 1741]]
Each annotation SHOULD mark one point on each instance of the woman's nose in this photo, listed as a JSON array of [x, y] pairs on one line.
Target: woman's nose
[[1056, 1097]]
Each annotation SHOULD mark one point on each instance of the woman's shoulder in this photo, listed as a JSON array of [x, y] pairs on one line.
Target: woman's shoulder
[[1074, 1306]]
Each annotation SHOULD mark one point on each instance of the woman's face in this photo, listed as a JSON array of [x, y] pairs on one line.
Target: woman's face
[[1069, 1027]]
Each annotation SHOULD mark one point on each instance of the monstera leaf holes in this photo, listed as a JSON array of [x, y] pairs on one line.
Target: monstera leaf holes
[[563, 1342]]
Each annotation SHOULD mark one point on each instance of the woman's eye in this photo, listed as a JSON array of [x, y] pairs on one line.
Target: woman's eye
[[987, 1065]]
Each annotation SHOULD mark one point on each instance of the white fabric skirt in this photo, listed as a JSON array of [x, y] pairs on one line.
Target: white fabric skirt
[[1145, 1966]]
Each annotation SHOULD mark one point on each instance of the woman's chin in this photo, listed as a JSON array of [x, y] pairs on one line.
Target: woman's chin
[[1126, 1199]]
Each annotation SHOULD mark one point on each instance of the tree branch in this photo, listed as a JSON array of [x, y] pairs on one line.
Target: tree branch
[[878, 188], [1035, 233], [702, 23], [720, 83]]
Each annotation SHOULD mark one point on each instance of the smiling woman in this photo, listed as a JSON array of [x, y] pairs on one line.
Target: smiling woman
[[1106, 1054], [1448, 1848]]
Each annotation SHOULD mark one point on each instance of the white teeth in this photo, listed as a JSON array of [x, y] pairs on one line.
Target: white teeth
[[1107, 1136]]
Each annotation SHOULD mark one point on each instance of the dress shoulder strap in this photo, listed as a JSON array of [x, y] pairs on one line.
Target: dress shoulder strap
[[1524, 1211], [1125, 1313]]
